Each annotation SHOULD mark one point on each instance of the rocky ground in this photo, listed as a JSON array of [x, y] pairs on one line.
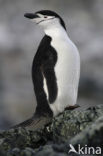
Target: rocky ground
[[70, 129]]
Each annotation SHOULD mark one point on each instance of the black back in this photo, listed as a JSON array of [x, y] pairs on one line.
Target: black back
[[43, 66], [52, 13]]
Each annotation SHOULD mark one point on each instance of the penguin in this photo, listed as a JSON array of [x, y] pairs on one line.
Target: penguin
[[55, 69]]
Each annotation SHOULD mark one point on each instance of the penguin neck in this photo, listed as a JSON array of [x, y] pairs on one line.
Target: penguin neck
[[56, 32]]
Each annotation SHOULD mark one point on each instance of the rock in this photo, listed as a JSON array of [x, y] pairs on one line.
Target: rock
[[70, 127], [91, 136], [49, 151], [70, 123]]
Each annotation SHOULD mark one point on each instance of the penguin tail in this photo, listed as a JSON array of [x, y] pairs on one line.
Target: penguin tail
[[35, 122]]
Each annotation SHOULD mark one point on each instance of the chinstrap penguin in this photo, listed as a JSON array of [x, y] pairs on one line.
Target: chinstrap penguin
[[55, 69]]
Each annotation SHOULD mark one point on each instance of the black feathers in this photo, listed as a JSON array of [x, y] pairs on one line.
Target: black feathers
[[43, 66]]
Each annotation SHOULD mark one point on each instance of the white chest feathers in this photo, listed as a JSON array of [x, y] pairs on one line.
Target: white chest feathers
[[67, 70]]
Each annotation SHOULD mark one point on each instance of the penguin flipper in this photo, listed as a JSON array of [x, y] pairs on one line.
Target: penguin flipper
[[35, 122]]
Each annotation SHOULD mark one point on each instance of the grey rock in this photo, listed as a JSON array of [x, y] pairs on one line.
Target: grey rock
[[49, 151], [91, 136], [70, 127], [70, 123]]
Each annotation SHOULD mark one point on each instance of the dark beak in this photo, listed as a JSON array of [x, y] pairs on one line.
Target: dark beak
[[31, 15]]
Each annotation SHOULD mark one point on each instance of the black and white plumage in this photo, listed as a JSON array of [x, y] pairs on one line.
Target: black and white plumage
[[55, 69]]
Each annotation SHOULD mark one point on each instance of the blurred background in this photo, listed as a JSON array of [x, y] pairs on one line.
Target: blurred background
[[19, 39]]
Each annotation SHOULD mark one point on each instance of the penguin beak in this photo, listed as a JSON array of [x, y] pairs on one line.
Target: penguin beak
[[31, 15]]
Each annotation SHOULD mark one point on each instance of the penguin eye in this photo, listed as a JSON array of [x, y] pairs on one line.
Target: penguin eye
[[45, 16]]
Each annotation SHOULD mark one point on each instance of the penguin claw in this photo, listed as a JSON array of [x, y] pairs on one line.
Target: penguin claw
[[72, 107]]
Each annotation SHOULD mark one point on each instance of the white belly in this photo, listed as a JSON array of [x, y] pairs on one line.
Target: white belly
[[67, 71]]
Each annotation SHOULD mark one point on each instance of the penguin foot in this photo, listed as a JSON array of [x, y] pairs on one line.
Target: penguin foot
[[34, 123], [72, 107]]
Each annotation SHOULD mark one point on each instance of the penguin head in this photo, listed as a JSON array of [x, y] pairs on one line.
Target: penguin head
[[46, 18]]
